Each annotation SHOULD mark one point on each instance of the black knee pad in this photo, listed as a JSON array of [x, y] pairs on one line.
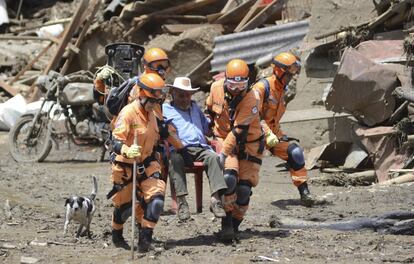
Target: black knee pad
[[122, 213], [296, 159], [243, 191], [230, 176], [154, 208]]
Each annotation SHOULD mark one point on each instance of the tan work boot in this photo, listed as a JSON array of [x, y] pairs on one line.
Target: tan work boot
[[216, 207], [183, 211]]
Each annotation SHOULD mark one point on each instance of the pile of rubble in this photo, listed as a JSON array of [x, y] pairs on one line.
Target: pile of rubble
[[373, 83], [367, 59], [68, 36], [185, 29]]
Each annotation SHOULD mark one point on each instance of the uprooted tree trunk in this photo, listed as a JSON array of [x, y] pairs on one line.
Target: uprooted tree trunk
[[396, 223]]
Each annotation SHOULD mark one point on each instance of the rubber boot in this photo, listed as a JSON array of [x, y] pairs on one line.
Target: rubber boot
[[145, 239], [236, 224], [118, 239], [305, 196], [227, 232]]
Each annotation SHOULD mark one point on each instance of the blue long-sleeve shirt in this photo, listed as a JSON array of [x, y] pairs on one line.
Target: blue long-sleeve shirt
[[191, 125]]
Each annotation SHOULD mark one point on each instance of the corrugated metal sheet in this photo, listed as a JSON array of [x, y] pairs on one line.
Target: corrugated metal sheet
[[256, 44]]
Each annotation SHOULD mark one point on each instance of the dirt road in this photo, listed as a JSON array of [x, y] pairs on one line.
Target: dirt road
[[36, 194]]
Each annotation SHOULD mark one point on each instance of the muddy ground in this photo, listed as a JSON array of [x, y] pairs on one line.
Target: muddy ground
[[37, 192]]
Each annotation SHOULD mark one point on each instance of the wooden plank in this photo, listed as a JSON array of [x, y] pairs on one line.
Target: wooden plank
[[66, 38], [235, 13], [69, 31], [6, 37], [180, 9], [180, 28], [263, 15], [183, 18], [70, 46], [409, 177], [249, 15], [8, 88], [229, 5], [293, 116], [94, 9], [211, 18], [49, 23], [30, 64], [400, 170], [200, 65]]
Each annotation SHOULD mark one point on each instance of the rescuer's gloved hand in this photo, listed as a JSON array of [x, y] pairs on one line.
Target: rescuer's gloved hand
[[104, 73], [271, 139], [134, 151]]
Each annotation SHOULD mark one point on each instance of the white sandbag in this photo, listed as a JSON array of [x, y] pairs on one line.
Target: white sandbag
[[4, 17], [52, 30], [11, 110]]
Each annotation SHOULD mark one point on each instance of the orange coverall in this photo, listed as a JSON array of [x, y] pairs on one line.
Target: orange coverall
[[246, 114], [133, 117], [271, 111]]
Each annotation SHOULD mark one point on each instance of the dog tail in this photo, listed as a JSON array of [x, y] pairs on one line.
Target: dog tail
[[95, 188]]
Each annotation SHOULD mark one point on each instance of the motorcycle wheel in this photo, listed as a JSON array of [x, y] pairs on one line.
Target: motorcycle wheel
[[38, 144]]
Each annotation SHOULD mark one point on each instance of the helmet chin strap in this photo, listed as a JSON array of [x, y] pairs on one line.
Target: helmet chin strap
[[143, 101]]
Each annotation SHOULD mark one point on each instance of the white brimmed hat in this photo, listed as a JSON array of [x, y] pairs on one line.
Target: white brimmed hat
[[183, 83]]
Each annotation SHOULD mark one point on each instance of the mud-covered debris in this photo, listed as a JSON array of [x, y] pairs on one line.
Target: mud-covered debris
[[274, 221], [37, 243], [409, 46], [28, 260], [7, 210], [7, 246]]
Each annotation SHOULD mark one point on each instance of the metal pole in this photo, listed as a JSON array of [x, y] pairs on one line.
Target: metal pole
[[134, 197]]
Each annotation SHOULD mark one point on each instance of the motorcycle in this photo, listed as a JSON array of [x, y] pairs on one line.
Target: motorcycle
[[68, 110]]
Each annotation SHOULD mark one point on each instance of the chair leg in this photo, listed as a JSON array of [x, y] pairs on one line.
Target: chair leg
[[198, 180], [173, 198]]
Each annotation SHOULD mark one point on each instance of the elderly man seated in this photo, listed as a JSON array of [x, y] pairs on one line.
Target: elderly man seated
[[192, 126]]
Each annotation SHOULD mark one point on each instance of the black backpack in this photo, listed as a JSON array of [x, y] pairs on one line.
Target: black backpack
[[118, 96]]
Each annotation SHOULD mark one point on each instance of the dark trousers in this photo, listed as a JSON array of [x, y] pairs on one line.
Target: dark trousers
[[211, 165]]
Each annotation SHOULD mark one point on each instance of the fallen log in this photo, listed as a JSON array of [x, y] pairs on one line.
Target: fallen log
[[397, 223]]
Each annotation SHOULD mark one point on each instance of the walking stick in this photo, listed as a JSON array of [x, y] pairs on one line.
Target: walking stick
[[134, 196]]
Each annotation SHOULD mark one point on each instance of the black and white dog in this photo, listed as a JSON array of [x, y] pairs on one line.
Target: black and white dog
[[81, 209]]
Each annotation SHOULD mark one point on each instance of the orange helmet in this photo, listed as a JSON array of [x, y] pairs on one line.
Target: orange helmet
[[237, 75], [156, 60], [237, 69], [151, 85], [285, 62]]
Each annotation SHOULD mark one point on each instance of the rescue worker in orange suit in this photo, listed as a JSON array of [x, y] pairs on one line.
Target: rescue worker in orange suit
[[138, 117], [234, 108], [272, 107], [155, 60]]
